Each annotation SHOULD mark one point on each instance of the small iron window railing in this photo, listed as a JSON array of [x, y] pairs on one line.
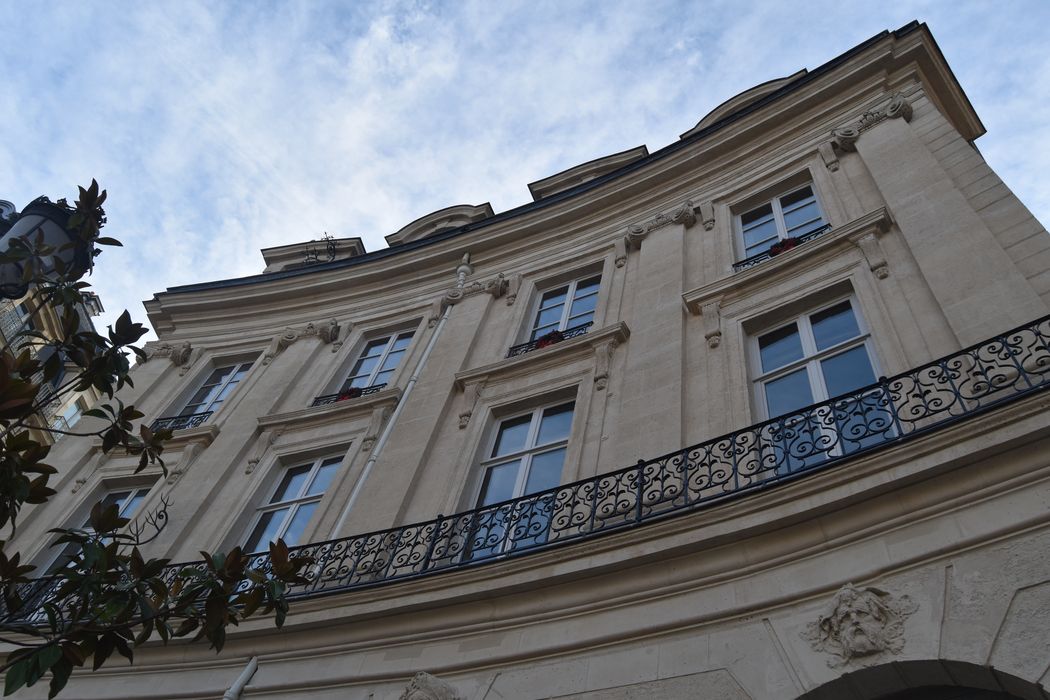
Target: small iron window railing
[[181, 422], [347, 395], [548, 339], [781, 246]]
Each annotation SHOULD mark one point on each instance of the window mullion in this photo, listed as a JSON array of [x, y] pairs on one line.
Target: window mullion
[[570, 293], [382, 358], [778, 216]]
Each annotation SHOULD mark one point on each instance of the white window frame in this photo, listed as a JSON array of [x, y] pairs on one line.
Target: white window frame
[[778, 216], [390, 338], [811, 357], [301, 499], [570, 292], [209, 406]]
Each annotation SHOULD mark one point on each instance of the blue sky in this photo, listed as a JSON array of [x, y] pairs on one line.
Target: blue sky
[[223, 128]]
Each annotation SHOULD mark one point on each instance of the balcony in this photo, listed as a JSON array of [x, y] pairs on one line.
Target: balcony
[[766, 255], [921, 401], [180, 422], [347, 395], [549, 339]]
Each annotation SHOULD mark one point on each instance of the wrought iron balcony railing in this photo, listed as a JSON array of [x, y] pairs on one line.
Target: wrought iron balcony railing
[[347, 395], [551, 338], [767, 254], [893, 410], [181, 422]]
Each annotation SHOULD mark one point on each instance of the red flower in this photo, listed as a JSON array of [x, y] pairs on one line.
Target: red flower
[[783, 245], [549, 339], [351, 393]]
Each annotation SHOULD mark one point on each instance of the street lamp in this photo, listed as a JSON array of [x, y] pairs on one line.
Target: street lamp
[[47, 222]]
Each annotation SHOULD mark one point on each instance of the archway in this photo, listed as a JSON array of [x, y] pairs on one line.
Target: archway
[[927, 680]]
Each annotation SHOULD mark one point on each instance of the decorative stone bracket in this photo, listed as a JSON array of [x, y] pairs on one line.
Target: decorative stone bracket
[[707, 215], [845, 138], [375, 424], [711, 314], [178, 354], [636, 233], [424, 686], [328, 332], [603, 353], [860, 622], [873, 253], [828, 155], [472, 392], [497, 287], [269, 437], [189, 454]]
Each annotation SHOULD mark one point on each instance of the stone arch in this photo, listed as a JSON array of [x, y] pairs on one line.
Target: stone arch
[[928, 680]]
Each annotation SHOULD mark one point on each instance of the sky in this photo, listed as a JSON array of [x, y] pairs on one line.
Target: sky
[[222, 128]]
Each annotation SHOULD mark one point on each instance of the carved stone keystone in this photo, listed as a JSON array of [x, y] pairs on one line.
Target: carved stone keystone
[[427, 687], [860, 622]]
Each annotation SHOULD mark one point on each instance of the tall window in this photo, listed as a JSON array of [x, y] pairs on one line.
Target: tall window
[[818, 356], [291, 505], [127, 502], [378, 361], [526, 457], [568, 306], [216, 388], [789, 215]]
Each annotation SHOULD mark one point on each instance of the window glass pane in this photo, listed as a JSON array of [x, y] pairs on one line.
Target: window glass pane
[[325, 474], [393, 359], [803, 214], [128, 508], [265, 530], [114, 498], [545, 472], [357, 383], [402, 341], [548, 316], [806, 228], [294, 534], [584, 305], [780, 347], [204, 395], [382, 377], [291, 484], [790, 200], [555, 424], [756, 215], [834, 325], [364, 366], [580, 320], [763, 232], [543, 330], [553, 298], [375, 348], [512, 435], [588, 286], [788, 393], [499, 483], [847, 371]]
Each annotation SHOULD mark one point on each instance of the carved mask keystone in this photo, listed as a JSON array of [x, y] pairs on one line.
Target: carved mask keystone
[[860, 622], [427, 687]]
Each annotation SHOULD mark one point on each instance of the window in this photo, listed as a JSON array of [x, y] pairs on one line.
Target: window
[[216, 389], [290, 507], [127, 502], [818, 356], [568, 306], [526, 457], [790, 215], [378, 361]]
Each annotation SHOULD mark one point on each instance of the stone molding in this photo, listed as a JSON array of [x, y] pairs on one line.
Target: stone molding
[[860, 622], [618, 332], [339, 411], [328, 332], [684, 215], [846, 137], [424, 686]]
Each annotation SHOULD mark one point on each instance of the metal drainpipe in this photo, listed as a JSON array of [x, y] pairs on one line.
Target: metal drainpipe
[[462, 271], [237, 688]]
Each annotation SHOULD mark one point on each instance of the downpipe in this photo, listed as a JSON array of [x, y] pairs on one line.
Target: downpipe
[[235, 690], [462, 271]]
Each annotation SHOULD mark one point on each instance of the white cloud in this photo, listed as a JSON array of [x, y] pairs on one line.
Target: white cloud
[[220, 129]]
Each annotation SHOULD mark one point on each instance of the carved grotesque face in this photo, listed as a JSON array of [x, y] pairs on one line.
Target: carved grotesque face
[[860, 621]]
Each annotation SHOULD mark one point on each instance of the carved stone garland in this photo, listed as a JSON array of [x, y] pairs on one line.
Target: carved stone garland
[[178, 354], [684, 215], [328, 332], [424, 686], [860, 622]]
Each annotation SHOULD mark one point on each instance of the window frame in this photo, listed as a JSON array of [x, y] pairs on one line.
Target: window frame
[[210, 405], [391, 337], [265, 505], [772, 197], [83, 515], [811, 357], [571, 285]]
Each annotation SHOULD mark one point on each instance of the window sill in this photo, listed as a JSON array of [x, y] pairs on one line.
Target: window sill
[[814, 252], [557, 353], [333, 412]]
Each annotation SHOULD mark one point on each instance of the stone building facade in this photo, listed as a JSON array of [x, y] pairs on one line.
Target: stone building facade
[[756, 415]]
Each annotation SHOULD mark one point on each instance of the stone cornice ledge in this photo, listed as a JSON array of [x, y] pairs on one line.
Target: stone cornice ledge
[[333, 412], [877, 221], [203, 435], [613, 334]]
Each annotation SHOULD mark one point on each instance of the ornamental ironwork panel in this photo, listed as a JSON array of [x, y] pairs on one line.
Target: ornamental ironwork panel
[[549, 339], [354, 393], [967, 383], [767, 254], [181, 422]]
